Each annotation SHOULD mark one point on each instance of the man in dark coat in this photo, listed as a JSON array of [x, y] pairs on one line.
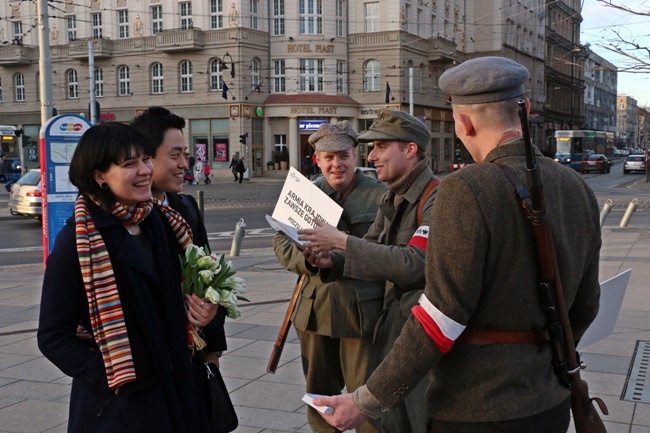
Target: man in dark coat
[[241, 168], [164, 133], [233, 166], [481, 273]]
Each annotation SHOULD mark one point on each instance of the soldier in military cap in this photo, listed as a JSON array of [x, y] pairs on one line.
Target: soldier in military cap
[[481, 272], [335, 321], [394, 247]]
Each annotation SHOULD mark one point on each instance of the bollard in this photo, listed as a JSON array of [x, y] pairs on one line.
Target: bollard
[[607, 208], [238, 237], [200, 201], [628, 213]]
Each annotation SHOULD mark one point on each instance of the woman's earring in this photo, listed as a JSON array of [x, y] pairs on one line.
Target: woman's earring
[[103, 185]]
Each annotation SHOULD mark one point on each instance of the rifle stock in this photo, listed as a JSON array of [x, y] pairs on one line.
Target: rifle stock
[[284, 329], [585, 417]]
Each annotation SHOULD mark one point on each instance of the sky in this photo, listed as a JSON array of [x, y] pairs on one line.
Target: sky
[[597, 29]]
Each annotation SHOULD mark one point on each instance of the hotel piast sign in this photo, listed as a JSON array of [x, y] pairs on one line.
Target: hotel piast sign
[[310, 48]]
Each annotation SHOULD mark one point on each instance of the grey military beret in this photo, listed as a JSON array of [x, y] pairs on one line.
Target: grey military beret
[[334, 137], [484, 79], [397, 125]]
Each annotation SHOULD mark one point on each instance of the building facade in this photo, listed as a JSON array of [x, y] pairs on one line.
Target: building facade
[[626, 122], [600, 93], [257, 77]]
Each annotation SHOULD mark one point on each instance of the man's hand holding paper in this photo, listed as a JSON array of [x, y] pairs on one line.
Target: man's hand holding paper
[[324, 237]]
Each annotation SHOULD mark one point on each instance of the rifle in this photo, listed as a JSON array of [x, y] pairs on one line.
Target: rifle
[[565, 357], [284, 329]]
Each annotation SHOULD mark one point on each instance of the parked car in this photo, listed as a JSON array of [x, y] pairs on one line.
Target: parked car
[[25, 195], [634, 163], [596, 162]]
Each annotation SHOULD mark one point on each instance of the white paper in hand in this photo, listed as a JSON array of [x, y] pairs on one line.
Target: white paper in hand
[[309, 399]]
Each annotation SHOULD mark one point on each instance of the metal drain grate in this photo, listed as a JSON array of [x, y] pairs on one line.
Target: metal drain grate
[[637, 385]]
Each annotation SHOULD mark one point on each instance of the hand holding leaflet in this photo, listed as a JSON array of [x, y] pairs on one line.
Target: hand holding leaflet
[[309, 399]]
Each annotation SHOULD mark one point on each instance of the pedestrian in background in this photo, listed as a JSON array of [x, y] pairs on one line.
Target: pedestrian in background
[[114, 269], [241, 169], [206, 172], [233, 166], [394, 247], [482, 278], [335, 321], [198, 172], [307, 166]]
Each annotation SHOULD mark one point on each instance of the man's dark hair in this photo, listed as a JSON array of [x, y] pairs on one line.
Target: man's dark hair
[[153, 123]]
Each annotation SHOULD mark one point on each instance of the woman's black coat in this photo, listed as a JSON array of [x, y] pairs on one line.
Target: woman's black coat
[[168, 394]]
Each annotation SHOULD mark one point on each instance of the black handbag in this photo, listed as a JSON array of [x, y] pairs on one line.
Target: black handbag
[[224, 417]]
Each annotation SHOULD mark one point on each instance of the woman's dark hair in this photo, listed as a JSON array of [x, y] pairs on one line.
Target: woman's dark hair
[[153, 123], [100, 147]]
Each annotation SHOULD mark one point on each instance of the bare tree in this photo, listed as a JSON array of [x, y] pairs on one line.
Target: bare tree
[[628, 46]]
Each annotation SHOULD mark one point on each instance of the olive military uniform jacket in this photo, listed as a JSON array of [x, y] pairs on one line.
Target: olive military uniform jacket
[[343, 309], [481, 272], [384, 254]]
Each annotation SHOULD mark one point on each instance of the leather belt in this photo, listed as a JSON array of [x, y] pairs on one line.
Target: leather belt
[[483, 337]]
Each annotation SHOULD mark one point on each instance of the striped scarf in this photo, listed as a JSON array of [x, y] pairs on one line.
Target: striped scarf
[[104, 306]]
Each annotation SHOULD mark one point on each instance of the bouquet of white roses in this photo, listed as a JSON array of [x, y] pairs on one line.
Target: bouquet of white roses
[[212, 278]]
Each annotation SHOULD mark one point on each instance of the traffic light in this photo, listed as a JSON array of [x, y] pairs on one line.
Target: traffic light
[[242, 138]]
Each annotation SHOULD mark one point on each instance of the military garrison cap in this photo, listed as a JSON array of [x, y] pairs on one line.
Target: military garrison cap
[[334, 137], [484, 79], [397, 125]]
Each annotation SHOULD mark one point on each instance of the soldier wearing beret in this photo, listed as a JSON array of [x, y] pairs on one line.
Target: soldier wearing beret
[[481, 273], [394, 247], [335, 321]]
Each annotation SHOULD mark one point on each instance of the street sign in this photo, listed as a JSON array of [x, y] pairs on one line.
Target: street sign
[[57, 141]]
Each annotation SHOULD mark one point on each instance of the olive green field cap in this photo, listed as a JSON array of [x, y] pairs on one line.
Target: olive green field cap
[[397, 125]]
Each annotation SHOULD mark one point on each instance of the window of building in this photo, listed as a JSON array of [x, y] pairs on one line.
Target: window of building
[[254, 5], [186, 15], [371, 77], [447, 148], [157, 79], [371, 14], [186, 76], [156, 19], [73, 84], [449, 127], [255, 73], [311, 75], [99, 82], [278, 17], [340, 76], [0, 89], [340, 15], [216, 74], [19, 86], [123, 24], [280, 141], [96, 25], [420, 23], [311, 17], [18, 31], [279, 77], [71, 25], [216, 14], [123, 81], [406, 23]]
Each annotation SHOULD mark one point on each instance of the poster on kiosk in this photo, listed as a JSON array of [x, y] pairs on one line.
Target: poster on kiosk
[[58, 140]]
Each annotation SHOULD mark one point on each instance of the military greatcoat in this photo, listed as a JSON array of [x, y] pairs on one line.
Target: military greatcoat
[[481, 272]]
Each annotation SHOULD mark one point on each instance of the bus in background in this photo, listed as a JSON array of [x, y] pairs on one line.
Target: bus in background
[[572, 146], [9, 141]]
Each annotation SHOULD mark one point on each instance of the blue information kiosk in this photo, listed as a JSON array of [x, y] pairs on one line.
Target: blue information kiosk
[[58, 141]]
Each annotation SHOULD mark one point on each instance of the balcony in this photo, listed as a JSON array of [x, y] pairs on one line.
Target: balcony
[[180, 40], [17, 55], [79, 49], [442, 50]]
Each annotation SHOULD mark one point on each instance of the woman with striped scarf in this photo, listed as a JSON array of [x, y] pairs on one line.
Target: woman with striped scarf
[[114, 270]]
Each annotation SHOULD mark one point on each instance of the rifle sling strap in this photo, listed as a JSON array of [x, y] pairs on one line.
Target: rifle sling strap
[[433, 183]]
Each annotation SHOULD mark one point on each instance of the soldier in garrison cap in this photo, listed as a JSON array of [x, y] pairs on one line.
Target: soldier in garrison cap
[[482, 277], [394, 248], [335, 321]]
